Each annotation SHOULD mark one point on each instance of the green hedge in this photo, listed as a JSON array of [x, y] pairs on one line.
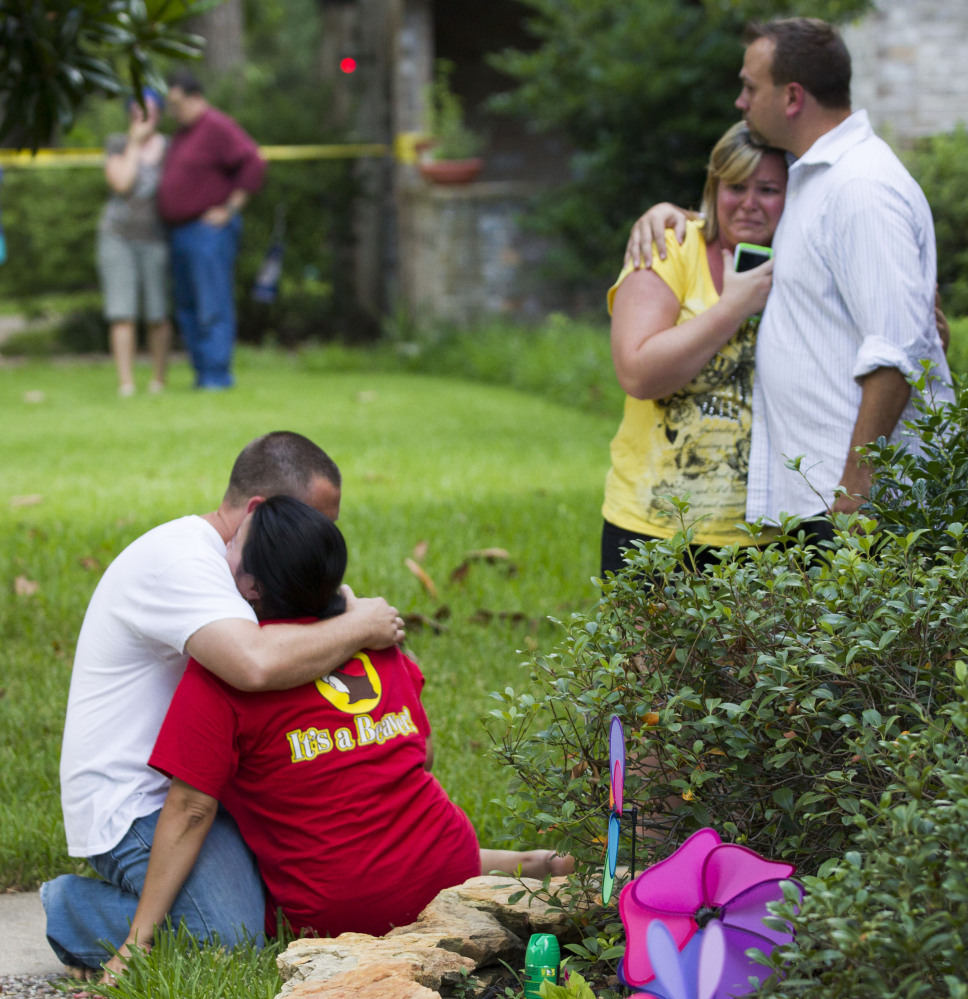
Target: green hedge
[[940, 165], [890, 919], [50, 220]]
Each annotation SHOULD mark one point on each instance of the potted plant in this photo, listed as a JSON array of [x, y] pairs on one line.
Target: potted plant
[[450, 155]]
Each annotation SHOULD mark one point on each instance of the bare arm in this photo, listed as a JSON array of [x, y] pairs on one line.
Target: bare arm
[[286, 655], [653, 356], [884, 394], [121, 169], [651, 228], [185, 820]]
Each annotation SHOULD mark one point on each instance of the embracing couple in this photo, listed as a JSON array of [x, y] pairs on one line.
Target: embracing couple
[[848, 315], [187, 722]]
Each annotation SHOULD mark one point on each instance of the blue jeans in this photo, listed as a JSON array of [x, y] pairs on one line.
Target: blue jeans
[[203, 277], [222, 897]]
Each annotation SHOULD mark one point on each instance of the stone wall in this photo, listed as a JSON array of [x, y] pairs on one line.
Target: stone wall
[[907, 58], [465, 255]]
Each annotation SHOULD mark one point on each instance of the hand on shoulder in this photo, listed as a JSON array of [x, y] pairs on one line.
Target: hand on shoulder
[[651, 228]]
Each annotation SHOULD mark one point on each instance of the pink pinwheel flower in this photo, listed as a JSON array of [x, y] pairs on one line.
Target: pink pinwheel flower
[[705, 879]]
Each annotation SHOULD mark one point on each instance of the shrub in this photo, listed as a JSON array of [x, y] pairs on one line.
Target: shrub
[[890, 920], [924, 497], [940, 165], [958, 350], [50, 220], [755, 695]]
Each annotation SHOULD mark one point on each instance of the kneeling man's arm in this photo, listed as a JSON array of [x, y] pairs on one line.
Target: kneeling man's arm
[[884, 394], [183, 824], [286, 655]]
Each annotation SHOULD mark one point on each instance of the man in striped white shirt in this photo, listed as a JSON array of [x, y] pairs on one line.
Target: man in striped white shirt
[[851, 312]]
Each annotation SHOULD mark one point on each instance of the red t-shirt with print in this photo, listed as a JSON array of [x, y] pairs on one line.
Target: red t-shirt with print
[[327, 784]]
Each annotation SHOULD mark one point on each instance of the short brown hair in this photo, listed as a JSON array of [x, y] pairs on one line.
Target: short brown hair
[[810, 52], [281, 463]]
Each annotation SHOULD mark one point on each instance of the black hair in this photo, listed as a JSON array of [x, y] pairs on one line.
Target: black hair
[[279, 462], [297, 557]]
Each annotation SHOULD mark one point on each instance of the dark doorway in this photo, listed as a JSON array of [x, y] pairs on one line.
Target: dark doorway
[[465, 33]]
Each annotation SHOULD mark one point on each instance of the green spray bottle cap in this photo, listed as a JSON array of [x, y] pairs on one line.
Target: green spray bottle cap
[[540, 963]]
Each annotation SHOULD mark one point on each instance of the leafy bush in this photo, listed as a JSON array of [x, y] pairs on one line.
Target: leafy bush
[[50, 220], [958, 350], [890, 920], [924, 497], [755, 695], [940, 165]]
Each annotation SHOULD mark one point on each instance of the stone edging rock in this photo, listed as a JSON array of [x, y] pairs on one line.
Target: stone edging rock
[[463, 930]]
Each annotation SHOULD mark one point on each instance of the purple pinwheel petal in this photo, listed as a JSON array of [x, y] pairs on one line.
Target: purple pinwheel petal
[[712, 956], [737, 969], [690, 956], [670, 974], [616, 754], [730, 869], [747, 910], [675, 884]]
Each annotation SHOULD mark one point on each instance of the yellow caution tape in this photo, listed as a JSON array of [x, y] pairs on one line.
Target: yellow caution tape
[[57, 158], [45, 158], [357, 151]]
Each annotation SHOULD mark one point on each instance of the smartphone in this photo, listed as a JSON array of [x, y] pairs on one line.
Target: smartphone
[[749, 255]]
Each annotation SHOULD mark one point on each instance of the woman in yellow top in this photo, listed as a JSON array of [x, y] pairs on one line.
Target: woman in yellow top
[[683, 345]]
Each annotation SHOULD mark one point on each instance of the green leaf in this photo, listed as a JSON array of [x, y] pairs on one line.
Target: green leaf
[[576, 988]]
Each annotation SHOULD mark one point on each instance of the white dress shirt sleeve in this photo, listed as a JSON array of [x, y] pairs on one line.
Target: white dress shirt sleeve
[[880, 260]]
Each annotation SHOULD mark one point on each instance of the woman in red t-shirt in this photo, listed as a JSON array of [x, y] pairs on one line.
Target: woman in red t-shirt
[[329, 782]]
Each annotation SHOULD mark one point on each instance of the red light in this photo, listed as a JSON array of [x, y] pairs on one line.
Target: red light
[[347, 65]]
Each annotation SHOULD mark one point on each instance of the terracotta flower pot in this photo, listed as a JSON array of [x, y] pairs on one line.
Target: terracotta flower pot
[[451, 171]]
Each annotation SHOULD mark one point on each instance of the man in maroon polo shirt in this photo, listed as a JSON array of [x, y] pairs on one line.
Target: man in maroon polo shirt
[[211, 168]]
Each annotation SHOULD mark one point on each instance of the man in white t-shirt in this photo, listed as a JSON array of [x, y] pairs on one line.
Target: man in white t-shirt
[[170, 595]]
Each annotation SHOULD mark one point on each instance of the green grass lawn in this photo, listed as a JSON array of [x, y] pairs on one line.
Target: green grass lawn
[[455, 465]]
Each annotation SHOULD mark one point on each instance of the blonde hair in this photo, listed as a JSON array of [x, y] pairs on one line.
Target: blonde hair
[[733, 160]]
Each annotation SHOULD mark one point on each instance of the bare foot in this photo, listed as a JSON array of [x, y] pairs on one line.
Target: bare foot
[[560, 864]]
